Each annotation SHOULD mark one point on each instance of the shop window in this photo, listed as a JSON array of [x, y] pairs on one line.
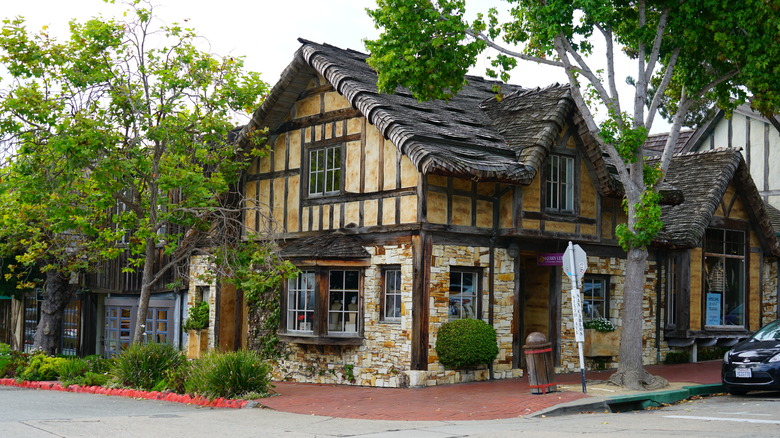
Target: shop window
[[559, 184], [595, 300], [325, 171], [340, 289], [391, 294], [724, 274], [464, 294]]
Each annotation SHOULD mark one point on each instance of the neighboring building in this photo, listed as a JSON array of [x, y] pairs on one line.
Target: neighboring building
[[757, 137], [403, 215]]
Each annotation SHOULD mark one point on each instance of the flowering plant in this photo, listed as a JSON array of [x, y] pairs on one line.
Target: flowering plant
[[600, 325]]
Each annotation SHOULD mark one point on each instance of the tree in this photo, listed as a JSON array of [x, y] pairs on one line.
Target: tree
[[139, 117], [716, 49]]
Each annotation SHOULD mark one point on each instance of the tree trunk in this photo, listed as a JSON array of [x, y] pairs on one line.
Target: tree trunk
[[630, 372], [49, 330], [146, 291]]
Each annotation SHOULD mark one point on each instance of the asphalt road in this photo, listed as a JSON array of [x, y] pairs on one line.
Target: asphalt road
[[30, 413]]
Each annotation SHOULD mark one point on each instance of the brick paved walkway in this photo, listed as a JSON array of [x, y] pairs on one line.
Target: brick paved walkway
[[467, 401]]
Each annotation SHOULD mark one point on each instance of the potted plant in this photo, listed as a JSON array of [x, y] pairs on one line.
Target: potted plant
[[196, 326], [601, 338]]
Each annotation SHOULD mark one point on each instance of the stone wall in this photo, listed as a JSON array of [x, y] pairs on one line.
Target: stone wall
[[445, 258], [615, 268], [769, 309], [200, 278], [384, 356]]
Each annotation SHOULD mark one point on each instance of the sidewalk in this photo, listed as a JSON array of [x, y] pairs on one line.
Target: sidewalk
[[491, 400]]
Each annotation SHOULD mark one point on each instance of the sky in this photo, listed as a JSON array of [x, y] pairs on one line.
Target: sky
[[264, 32]]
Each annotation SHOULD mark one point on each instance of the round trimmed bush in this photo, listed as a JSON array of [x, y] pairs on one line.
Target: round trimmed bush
[[466, 343]]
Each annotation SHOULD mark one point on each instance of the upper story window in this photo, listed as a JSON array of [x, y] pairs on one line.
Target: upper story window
[[464, 294], [325, 171], [724, 277], [559, 184]]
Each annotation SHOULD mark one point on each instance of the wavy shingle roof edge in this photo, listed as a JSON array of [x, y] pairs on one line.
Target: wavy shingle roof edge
[[704, 177], [473, 135]]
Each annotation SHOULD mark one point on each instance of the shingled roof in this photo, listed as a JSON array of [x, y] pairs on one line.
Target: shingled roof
[[472, 136], [704, 177], [332, 246]]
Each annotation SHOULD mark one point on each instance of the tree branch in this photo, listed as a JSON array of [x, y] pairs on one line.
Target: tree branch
[[659, 93], [587, 116], [505, 51], [611, 102]]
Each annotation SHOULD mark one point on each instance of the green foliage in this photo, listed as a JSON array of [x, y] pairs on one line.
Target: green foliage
[[88, 371], [599, 324], [198, 317], [102, 119], [677, 356], [647, 217], [430, 56], [41, 367], [12, 362], [146, 366], [349, 373], [466, 343], [258, 271], [230, 375]]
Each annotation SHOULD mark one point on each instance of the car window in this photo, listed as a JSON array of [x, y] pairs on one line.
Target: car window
[[769, 332]]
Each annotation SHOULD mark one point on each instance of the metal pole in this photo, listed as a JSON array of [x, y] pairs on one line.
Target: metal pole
[[576, 301]]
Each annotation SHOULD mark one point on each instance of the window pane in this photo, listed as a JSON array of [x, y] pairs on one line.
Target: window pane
[[392, 305], [594, 304], [344, 303], [463, 295], [724, 273], [300, 302]]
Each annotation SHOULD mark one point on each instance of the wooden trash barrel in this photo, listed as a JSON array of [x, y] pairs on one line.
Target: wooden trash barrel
[[539, 360]]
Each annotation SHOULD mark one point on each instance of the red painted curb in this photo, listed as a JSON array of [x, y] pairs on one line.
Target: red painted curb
[[131, 393]]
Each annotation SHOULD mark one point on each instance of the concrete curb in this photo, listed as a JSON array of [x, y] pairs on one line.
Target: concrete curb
[[632, 402]]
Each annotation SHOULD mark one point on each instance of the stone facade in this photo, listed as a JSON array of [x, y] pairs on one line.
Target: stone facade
[[202, 283], [769, 309], [384, 356], [615, 268]]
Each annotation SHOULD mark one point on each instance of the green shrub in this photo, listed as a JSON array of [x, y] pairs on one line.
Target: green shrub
[[91, 379], [5, 357], [466, 343], [712, 353], [12, 363], [145, 366], [230, 375], [677, 356], [72, 369], [198, 317], [41, 367]]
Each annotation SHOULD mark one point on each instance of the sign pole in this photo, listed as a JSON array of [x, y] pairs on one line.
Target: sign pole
[[575, 272]]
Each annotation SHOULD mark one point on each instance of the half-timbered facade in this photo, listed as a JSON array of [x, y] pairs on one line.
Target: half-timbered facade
[[403, 215]]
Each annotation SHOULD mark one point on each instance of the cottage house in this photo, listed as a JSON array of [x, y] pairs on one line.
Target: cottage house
[[403, 215]]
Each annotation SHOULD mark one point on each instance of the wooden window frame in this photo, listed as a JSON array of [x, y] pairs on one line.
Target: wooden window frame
[[339, 180], [724, 256], [477, 284], [604, 279], [321, 331], [396, 293], [557, 184]]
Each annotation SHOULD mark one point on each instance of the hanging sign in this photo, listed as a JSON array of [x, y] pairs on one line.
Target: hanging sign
[[550, 259]]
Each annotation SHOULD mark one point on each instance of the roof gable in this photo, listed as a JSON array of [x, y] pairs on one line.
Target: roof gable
[[472, 136], [703, 178]]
